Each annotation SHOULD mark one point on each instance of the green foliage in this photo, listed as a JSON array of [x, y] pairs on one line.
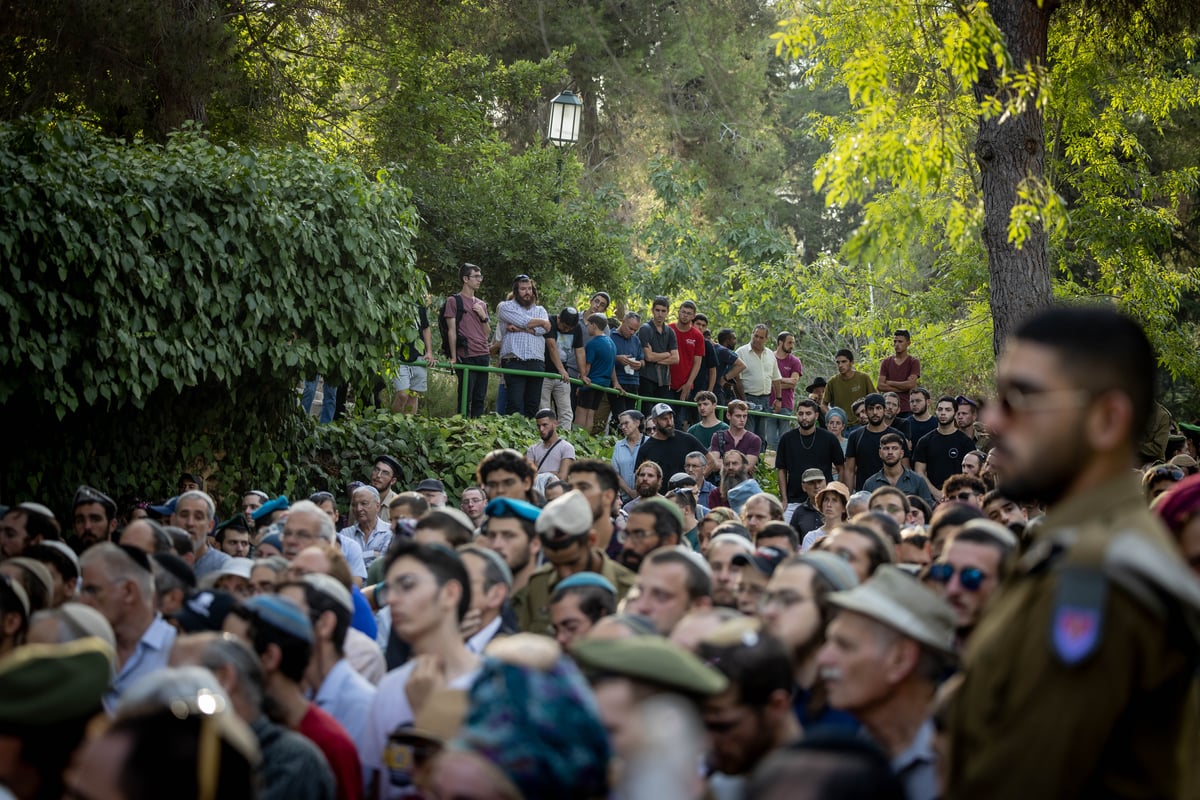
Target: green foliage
[[447, 448], [133, 267]]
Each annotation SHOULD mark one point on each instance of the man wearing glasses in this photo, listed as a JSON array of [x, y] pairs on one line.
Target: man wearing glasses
[[973, 565], [383, 475], [1076, 680]]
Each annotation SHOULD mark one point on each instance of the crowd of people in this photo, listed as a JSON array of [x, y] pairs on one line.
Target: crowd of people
[[935, 603]]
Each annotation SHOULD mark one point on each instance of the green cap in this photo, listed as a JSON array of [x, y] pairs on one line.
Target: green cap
[[45, 684], [650, 659]]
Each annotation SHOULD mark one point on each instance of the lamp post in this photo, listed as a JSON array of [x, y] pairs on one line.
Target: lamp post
[[566, 111]]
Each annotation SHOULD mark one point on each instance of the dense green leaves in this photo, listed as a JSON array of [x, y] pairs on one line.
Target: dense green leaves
[[132, 267]]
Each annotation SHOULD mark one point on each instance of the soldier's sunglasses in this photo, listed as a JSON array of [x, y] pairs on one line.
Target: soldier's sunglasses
[[970, 578]]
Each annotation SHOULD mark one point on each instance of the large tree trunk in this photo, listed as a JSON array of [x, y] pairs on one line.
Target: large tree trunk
[[1009, 152]]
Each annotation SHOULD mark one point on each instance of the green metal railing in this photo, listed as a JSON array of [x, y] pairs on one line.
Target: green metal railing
[[468, 368]]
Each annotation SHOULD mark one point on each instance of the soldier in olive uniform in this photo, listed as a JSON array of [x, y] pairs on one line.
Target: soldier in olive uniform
[[564, 527], [1075, 679]]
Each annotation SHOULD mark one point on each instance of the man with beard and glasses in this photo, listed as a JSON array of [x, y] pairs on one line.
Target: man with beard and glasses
[[666, 446], [804, 448], [565, 530], [939, 455], [1076, 680], [737, 486], [655, 523], [795, 609], [524, 325], [647, 482], [862, 449]]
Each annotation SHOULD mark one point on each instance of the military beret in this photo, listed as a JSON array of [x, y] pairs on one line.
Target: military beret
[[235, 523], [650, 659], [271, 506], [507, 507], [47, 684]]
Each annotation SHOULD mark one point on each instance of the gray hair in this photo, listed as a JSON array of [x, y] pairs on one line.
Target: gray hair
[[226, 651], [196, 494], [327, 531], [366, 488], [121, 566], [277, 564]]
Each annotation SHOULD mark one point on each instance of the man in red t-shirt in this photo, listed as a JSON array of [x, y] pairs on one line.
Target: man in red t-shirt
[[900, 373], [691, 353]]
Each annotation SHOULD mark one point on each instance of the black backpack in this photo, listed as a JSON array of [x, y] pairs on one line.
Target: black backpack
[[444, 329]]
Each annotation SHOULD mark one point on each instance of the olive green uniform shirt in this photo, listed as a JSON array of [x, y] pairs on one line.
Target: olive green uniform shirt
[[532, 603], [1027, 724]]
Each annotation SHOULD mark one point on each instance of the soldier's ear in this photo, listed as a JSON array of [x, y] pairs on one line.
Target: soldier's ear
[[1109, 422]]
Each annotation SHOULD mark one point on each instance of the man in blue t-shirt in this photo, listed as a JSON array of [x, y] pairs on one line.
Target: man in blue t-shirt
[[599, 370], [630, 360]]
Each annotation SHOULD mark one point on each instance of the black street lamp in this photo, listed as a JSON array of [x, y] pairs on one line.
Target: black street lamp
[[566, 111]]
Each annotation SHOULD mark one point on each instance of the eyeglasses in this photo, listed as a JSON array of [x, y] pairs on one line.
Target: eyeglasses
[[1027, 400], [637, 536], [970, 578], [966, 497]]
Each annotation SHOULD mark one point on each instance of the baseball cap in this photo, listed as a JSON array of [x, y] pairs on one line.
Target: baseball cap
[[660, 409], [764, 559], [431, 485], [205, 611], [812, 474]]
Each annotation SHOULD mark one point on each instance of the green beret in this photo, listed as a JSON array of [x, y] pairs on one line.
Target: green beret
[[45, 684], [650, 659]]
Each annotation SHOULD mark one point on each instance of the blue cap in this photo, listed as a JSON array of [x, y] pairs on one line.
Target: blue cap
[[166, 509], [581, 579], [278, 504], [281, 614], [507, 507]]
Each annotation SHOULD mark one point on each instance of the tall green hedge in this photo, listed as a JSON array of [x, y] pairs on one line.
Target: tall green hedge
[[159, 305], [127, 267]]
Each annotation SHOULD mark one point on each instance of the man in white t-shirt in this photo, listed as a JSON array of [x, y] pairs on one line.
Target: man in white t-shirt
[[428, 592]]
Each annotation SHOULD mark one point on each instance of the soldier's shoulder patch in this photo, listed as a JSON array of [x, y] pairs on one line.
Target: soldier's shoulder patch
[[1077, 623]]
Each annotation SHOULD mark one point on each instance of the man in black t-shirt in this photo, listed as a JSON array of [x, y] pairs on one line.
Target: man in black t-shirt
[[862, 449], [806, 447], [939, 454], [922, 420], [666, 446]]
